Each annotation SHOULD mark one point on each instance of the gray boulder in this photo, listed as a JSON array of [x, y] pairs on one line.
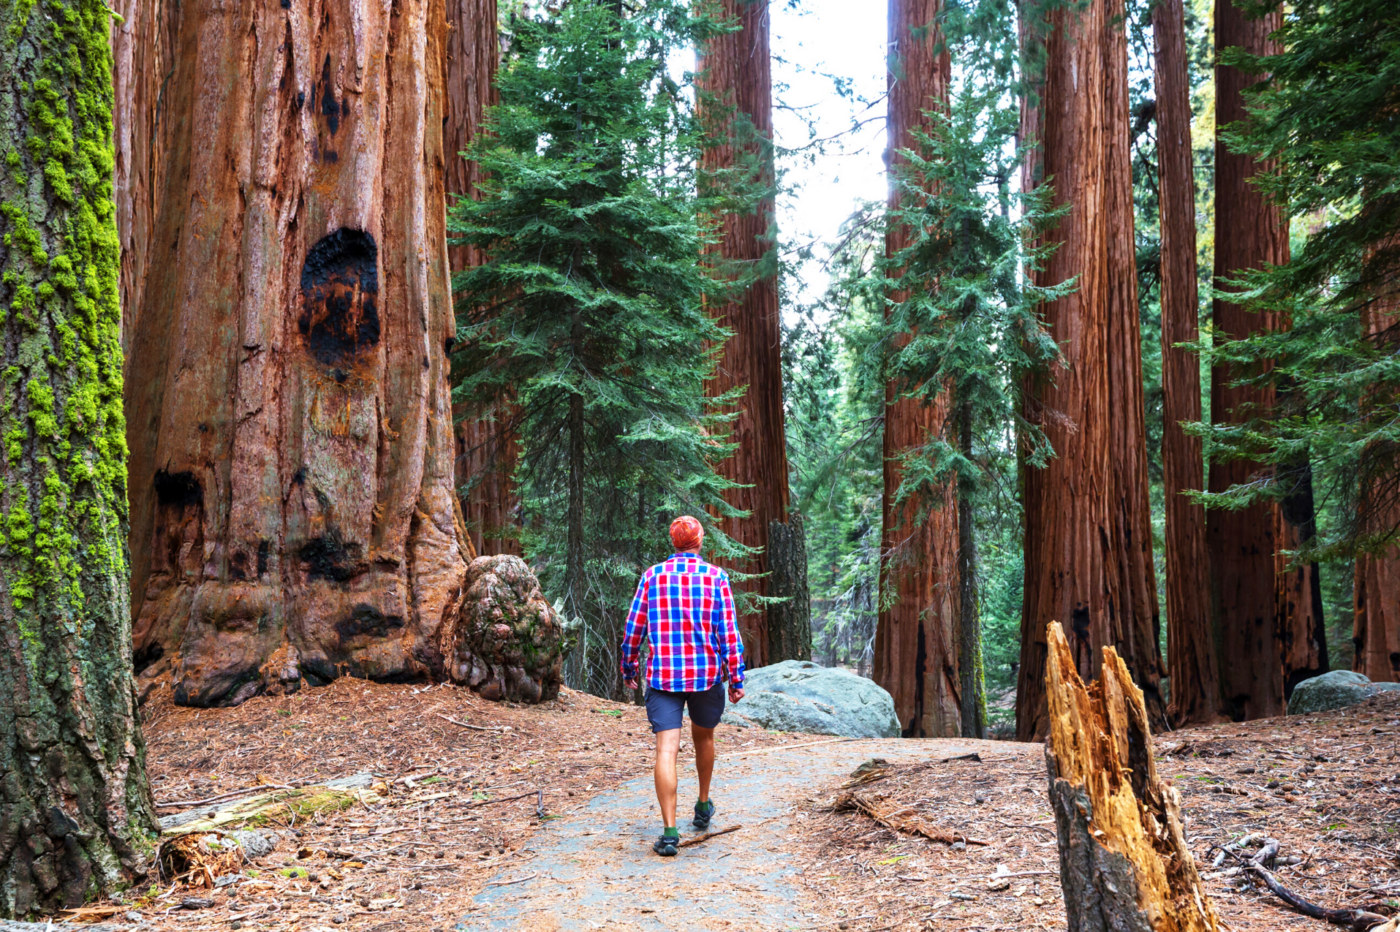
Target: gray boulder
[[1334, 690], [798, 695]]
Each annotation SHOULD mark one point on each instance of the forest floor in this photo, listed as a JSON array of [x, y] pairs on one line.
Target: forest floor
[[454, 833]]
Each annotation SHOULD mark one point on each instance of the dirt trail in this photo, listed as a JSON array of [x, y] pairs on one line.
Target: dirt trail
[[595, 869]]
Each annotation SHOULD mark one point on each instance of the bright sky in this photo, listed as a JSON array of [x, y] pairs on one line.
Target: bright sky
[[815, 43]]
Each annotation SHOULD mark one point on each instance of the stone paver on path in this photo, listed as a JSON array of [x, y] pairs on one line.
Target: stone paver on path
[[595, 869]]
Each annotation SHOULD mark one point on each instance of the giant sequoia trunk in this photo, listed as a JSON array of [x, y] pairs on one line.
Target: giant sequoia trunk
[[485, 442], [1195, 680], [1269, 618], [1087, 550], [292, 502], [736, 100], [916, 640], [1134, 624], [75, 812], [1376, 590]]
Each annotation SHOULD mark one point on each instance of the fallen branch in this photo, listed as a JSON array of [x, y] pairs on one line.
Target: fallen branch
[[893, 817], [507, 883], [506, 799], [1357, 920], [708, 835], [973, 756], [501, 729]]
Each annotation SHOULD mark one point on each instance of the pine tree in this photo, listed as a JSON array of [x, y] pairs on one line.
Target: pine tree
[[592, 295], [77, 812], [1324, 122]]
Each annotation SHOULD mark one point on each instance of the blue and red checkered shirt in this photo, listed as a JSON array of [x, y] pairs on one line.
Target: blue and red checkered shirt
[[686, 609]]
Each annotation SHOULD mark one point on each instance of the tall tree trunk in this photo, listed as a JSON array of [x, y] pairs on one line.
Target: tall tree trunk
[[1298, 589], [1191, 659], [736, 99], [1135, 623], [1066, 509], [970, 683], [573, 550], [1376, 591], [485, 445], [77, 813], [916, 637], [1249, 232], [293, 512], [1087, 547]]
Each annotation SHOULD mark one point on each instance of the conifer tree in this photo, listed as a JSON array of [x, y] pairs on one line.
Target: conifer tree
[[76, 818], [592, 293]]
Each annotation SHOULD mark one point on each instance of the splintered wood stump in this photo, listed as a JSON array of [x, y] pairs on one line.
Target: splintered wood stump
[[1124, 864]]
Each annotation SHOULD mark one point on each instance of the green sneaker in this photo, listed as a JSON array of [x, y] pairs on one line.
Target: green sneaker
[[704, 812]]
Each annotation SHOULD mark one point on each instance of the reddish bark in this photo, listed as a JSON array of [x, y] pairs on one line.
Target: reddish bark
[[916, 642], [291, 484], [1376, 591], [1191, 660], [1087, 562], [1135, 626], [1269, 621], [485, 445], [736, 98]]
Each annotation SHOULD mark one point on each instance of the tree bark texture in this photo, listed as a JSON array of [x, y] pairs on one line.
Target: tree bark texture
[[293, 510], [1268, 620], [736, 100], [1124, 862], [1191, 658], [76, 816], [485, 444], [789, 622], [972, 697], [1135, 622], [1376, 592], [916, 637], [1087, 548]]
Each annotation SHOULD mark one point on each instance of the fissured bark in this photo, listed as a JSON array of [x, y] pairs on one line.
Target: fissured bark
[[1087, 553], [1191, 660], [291, 481], [76, 817], [485, 444], [736, 101], [916, 638], [1269, 618], [1376, 591]]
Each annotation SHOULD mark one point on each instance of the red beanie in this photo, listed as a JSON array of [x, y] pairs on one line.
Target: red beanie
[[686, 533]]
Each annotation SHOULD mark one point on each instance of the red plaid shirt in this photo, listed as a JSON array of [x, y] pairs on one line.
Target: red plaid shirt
[[686, 609]]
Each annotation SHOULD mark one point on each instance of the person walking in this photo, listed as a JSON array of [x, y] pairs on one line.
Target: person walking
[[686, 609]]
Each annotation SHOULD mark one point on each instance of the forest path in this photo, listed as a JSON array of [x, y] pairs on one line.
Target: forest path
[[595, 869]]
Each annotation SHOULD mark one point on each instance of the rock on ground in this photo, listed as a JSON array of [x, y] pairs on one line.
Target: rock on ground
[[1334, 690], [798, 695], [509, 642]]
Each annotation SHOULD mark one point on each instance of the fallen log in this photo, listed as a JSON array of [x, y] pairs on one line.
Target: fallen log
[[1124, 863]]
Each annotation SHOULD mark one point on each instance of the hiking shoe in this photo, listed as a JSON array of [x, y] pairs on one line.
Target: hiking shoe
[[704, 812], [666, 845]]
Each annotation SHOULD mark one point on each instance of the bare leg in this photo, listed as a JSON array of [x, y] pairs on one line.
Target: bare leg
[[668, 743], [704, 739]]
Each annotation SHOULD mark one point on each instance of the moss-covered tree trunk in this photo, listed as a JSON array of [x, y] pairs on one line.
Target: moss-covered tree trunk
[[76, 818], [736, 101], [292, 496], [916, 638]]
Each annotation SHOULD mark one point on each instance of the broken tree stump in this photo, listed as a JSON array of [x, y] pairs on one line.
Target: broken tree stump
[[1124, 863]]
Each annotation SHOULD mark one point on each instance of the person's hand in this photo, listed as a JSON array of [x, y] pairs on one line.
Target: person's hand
[[631, 684], [736, 693]]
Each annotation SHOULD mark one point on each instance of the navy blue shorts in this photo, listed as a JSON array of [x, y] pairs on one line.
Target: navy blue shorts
[[664, 708]]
